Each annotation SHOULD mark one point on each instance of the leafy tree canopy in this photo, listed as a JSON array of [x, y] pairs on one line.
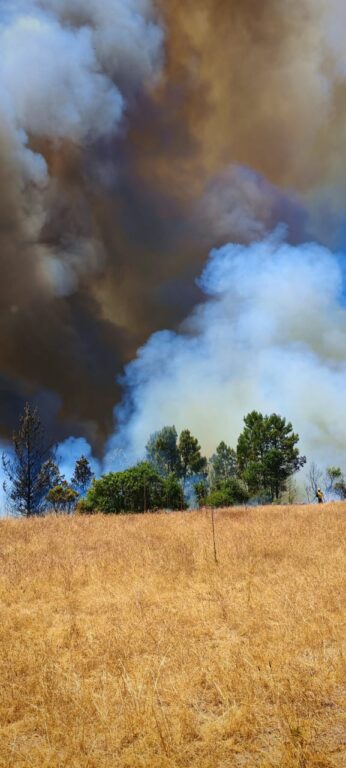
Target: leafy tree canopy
[[267, 453], [82, 476], [138, 489], [163, 453], [228, 494], [223, 465], [335, 482], [191, 460], [201, 489], [62, 497]]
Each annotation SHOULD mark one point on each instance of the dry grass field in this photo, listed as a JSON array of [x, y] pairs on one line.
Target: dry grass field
[[123, 644]]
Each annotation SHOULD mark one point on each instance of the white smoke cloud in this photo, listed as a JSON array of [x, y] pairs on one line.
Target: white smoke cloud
[[126, 37], [60, 62], [271, 337], [67, 70], [54, 83]]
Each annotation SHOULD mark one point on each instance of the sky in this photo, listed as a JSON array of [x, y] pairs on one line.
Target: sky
[[172, 220]]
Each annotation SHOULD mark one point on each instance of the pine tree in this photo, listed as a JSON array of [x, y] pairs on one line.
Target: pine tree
[[162, 452], [192, 462], [32, 470], [267, 454], [223, 465], [82, 476]]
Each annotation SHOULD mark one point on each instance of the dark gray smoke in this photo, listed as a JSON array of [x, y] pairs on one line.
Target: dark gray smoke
[[133, 138], [68, 73]]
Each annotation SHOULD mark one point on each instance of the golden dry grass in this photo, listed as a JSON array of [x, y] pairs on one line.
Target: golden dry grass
[[123, 644]]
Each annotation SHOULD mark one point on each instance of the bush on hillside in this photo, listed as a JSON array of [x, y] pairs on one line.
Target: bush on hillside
[[228, 494], [201, 489], [62, 498], [139, 489]]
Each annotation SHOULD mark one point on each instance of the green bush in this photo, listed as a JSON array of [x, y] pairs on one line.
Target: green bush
[[84, 507], [173, 494], [62, 497], [228, 494], [139, 489], [201, 492]]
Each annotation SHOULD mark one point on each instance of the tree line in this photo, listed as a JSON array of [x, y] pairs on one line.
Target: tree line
[[175, 472], [173, 475]]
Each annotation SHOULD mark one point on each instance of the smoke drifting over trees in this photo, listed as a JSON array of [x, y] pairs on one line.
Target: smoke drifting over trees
[[271, 335], [134, 137]]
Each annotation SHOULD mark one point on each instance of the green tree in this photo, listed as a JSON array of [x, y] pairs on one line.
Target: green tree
[[335, 482], [173, 494], [201, 492], [62, 497], [162, 451], [31, 470], [191, 460], [138, 489], [340, 488], [333, 475], [228, 493], [82, 476], [222, 465], [267, 454]]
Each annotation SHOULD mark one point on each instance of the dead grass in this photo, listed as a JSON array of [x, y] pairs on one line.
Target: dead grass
[[122, 643]]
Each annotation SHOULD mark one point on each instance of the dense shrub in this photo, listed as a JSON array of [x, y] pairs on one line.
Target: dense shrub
[[62, 497], [229, 493], [138, 489]]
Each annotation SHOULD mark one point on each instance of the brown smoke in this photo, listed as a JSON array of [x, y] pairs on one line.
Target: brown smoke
[[259, 86], [131, 219]]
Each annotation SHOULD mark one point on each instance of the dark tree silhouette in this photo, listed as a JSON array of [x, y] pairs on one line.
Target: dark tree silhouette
[[82, 476], [31, 471]]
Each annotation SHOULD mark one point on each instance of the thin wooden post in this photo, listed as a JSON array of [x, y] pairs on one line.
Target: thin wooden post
[[214, 540]]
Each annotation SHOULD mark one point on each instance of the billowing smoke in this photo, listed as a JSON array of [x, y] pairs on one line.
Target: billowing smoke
[[271, 336], [136, 135], [68, 73]]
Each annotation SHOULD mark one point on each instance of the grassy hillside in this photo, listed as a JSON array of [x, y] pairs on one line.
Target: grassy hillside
[[123, 644]]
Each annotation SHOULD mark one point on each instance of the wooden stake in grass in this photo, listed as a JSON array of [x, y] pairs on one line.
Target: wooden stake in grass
[[213, 527]]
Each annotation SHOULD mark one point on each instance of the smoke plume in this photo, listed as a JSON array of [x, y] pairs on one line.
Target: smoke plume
[[135, 136], [67, 73], [271, 336]]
